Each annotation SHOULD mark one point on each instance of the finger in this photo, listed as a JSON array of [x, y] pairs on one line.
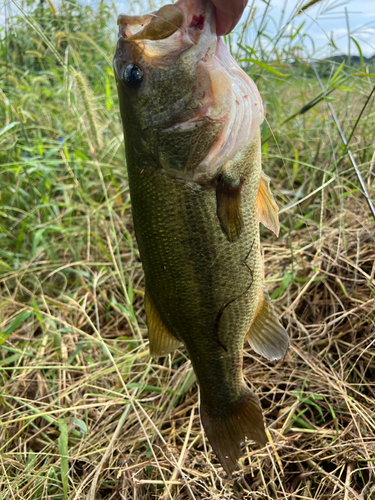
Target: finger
[[228, 14]]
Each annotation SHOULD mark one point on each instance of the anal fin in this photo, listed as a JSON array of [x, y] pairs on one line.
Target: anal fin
[[267, 336], [266, 206], [229, 212], [161, 341]]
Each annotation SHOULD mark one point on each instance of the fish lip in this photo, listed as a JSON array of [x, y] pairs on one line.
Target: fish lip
[[125, 20]]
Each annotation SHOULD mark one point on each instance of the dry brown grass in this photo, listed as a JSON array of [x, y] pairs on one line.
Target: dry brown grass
[[133, 422]]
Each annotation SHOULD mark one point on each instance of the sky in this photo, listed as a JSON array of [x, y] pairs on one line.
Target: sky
[[326, 19]]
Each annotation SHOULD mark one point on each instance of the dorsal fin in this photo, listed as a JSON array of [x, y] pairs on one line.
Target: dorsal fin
[[161, 341], [266, 206]]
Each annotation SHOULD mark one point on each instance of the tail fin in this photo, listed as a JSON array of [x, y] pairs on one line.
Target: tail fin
[[228, 426]]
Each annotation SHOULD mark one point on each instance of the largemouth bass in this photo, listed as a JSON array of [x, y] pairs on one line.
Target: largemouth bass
[[191, 120]]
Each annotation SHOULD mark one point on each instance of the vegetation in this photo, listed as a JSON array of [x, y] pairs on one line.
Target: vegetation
[[84, 411]]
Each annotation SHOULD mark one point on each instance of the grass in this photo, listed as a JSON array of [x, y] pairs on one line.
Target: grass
[[84, 411]]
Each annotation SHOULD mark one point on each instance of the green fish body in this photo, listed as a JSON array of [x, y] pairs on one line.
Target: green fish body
[[198, 194]]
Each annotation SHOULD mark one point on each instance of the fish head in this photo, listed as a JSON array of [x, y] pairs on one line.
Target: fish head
[[182, 96]]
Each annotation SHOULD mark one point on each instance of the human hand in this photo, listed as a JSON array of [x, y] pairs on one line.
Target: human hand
[[228, 13]]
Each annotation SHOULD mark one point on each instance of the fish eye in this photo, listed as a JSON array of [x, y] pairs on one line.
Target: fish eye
[[132, 76]]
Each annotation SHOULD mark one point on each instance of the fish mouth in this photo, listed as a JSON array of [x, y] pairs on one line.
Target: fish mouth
[[170, 30], [155, 26]]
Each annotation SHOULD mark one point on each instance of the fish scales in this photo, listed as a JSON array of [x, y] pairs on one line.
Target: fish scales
[[198, 194], [192, 270]]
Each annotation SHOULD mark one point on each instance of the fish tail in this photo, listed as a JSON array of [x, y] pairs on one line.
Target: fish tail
[[228, 425]]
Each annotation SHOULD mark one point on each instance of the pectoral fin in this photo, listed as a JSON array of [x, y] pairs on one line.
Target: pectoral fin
[[229, 212], [266, 206], [161, 341], [267, 336]]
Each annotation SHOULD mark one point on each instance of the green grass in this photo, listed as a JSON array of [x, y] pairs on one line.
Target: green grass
[[84, 411]]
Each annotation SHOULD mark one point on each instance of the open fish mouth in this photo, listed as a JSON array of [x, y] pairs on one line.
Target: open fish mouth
[[183, 24]]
